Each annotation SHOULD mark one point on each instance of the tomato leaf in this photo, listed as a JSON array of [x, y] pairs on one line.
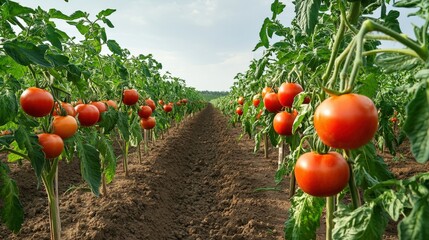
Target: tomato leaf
[[417, 123], [105, 147], [392, 62], [109, 120], [9, 66], [105, 12], [12, 9], [53, 37], [304, 217], [365, 222], [415, 226], [26, 53], [11, 210], [114, 47], [307, 14], [136, 133], [263, 33], [90, 165], [123, 125], [57, 60], [277, 8], [260, 67], [8, 107]]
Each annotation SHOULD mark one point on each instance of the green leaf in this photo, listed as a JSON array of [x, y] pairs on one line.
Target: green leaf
[[304, 217], [109, 119], [415, 226], [123, 125], [417, 124], [11, 211], [54, 13], [307, 14], [34, 150], [136, 133], [365, 222], [9, 66], [105, 12], [407, 3], [90, 165], [109, 159], [277, 7], [114, 47], [108, 23], [8, 107], [26, 53], [53, 37], [392, 62], [260, 68], [263, 35], [12, 9], [146, 71], [77, 14], [57, 60], [368, 86]]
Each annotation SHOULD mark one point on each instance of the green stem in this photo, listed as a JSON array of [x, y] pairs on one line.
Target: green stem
[[338, 62], [391, 50], [352, 183], [54, 214], [125, 160], [6, 149], [292, 184], [329, 217], [354, 13], [139, 151], [424, 32]]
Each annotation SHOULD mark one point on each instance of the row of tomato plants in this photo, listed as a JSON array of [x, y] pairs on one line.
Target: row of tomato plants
[[337, 99], [61, 99]]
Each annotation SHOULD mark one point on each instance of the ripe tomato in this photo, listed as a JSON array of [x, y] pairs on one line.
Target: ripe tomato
[[168, 107], [87, 114], [36, 102], [307, 100], [111, 103], [64, 126], [179, 103], [151, 104], [67, 107], [393, 119], [145, 111], [348, 121], [271, 102], [52, 144], [147, 123], [130, 97], [283, 122], [240, 100], [101, 106], [160, 102], [287, 92], [184, 101], [322, 175], [239, 111], [256, 100], [266, 90]]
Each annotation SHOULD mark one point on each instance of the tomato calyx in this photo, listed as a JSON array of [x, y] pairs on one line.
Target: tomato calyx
[[332, 92]]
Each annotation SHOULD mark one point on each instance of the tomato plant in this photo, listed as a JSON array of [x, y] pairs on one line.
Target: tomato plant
[[36, 102]]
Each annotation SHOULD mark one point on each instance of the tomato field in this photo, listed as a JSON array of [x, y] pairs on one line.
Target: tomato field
[[326, 135]]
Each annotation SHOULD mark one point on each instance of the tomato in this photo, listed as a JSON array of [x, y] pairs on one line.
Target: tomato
[[283, 122], [347, 121], [307, 100], [184, 101], [52, 144], [167, 108], [101, 106], [266, 90], [239, 111], [145, 111], [64, 126], [87, 114], [148, 123], [271, 102], [322, 175], [111, 103], [66, 107], [130, 97], [160, 102], [287, 92], [259, 114], [256, 100], [240, 100], [393, 119], [36, 102], [179, 103], [151, 104]]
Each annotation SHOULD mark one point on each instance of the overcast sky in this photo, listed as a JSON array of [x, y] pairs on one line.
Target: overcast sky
[[205, 42]]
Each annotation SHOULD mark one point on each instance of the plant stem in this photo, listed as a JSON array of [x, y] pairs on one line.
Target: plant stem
[[391, 50], [281, 154], [266, 145], [329, 217], [50, 188], [354, 13], [338, 38], [6, 149], [140, 153], [125, 160], [292, 184], [103, 181], [352, 183]]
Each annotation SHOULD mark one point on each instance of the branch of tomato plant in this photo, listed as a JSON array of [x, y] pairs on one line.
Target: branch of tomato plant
[[7, 149], [48, 175], [33, 73], [338, 62], [352, 183], [425, 30], [329, 217], [391, 50]]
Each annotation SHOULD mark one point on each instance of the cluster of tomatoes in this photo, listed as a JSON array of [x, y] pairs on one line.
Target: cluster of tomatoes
[[346, 121]]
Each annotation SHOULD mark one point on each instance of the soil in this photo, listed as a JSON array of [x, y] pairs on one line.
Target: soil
[[199, 182]]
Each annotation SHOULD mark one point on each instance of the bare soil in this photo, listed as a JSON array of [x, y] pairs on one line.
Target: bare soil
[[198, 182]]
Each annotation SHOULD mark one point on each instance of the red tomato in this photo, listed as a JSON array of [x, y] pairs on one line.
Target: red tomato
[[101, 106], [168, 107], [52, 144], [87, 114], [307, 100], [256, 100], [147, 123], [161, 102], [179, 103], [64, 126], [185, 101], [393, 119], [287, 92], [151, 104], [111, 103], [348, 121], [266, 90], [67, 107], [145, 111], [283, 122], [130, 97], [240, 100], [36, 102], [239, 111], [322, 175], [259, 114], [271, 102]]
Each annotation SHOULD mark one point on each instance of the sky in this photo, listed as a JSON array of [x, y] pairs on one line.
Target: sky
[[204, 42]]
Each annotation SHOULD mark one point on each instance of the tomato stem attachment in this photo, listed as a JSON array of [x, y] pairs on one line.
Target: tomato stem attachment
[[329, 216]]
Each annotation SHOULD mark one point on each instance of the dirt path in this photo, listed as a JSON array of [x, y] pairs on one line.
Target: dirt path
[[197, 183]]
